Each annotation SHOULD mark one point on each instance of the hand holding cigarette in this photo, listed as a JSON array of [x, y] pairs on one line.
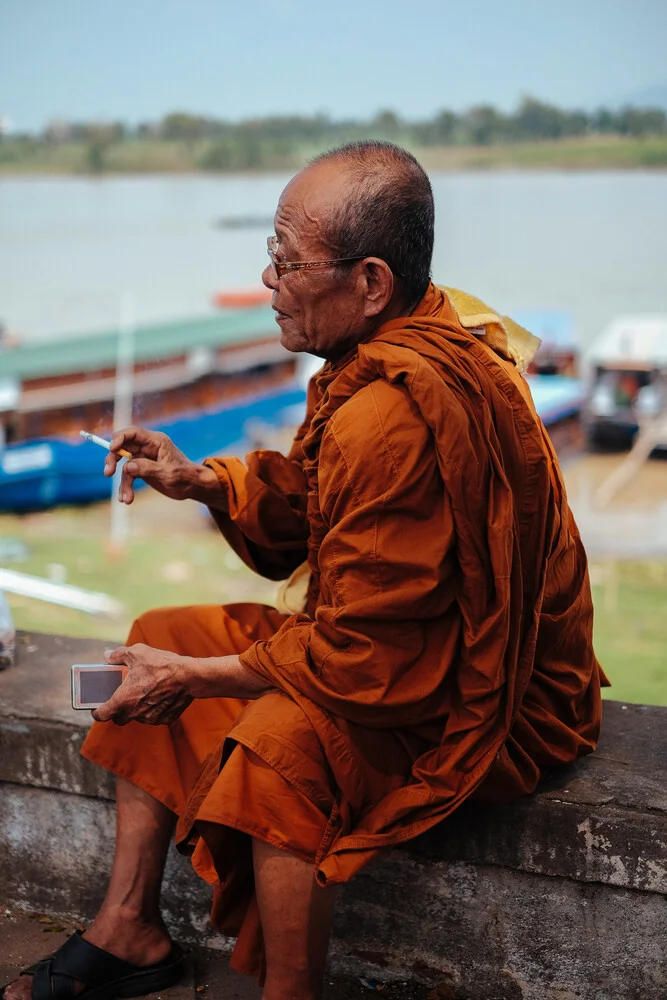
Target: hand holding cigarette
[[153, 457]]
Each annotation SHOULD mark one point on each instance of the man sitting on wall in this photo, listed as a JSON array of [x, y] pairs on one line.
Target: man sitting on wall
[[440, 647]]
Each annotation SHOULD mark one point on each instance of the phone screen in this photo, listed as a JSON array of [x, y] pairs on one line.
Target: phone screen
[[93, 684], [99, 685]]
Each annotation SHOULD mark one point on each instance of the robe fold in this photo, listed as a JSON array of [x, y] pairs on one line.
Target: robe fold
[[444, 649]]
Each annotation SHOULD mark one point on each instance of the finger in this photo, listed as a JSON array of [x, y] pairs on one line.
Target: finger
[[118, 655], [115, 709], [105, 713], [136, 440], [141, 647], [118, 719], [137, 468], [110, 464], [142, 468], [126, 488]]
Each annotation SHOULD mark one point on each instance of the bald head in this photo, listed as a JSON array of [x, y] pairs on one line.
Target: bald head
[[385, 210]]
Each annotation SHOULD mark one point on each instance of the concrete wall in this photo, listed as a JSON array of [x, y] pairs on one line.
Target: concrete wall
[[559, 896]]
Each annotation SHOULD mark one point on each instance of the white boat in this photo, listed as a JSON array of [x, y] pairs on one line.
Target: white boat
[[627, 379]]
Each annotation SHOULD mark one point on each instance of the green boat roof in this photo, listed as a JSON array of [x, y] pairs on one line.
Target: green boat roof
[[92, 351]]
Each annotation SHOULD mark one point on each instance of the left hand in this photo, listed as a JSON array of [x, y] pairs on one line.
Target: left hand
[[154, 691]]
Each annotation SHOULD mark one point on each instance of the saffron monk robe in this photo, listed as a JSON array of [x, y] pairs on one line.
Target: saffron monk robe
[[436, 644]]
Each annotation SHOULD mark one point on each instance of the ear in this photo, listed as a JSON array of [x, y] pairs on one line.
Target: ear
[[378, 285]]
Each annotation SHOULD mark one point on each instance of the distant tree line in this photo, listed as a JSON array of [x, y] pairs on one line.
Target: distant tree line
[[216, 144]]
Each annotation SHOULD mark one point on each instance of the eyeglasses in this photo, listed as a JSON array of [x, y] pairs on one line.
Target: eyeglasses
[[281, 267]]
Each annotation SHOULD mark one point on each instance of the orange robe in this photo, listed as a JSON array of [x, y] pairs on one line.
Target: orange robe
[[445, 648]]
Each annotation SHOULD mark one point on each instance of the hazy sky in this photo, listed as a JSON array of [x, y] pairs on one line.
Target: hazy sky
[[137, 59]]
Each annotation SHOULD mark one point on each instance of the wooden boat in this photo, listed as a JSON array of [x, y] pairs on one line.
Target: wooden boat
[[178, 367], [242, 298], [559, 351], [197, 378], [626, 379], [244, 222], [47, 472], [559, 401]]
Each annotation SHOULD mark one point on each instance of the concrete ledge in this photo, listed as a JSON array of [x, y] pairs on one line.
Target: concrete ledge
[[603, 820], [562, 895]]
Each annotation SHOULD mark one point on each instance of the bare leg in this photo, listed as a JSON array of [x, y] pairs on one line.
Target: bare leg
[[296, 916], [129, 924]]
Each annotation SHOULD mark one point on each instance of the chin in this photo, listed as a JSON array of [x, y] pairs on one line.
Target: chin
[[293, 341]]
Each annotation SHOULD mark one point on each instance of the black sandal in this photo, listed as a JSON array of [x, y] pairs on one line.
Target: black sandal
[[105, 976]]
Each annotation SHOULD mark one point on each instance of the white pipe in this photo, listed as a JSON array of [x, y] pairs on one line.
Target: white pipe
[[64, 594], [122, 416]]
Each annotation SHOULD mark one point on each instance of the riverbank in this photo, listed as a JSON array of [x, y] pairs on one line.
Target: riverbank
[[159, 156]]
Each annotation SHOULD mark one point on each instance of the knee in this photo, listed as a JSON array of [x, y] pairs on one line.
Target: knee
[[140, 629], [153, 628]]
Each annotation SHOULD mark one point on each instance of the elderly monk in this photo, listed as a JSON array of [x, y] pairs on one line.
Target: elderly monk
[[442, 648]]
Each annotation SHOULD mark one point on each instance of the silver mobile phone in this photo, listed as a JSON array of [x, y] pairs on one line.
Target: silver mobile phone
[[94, 683]]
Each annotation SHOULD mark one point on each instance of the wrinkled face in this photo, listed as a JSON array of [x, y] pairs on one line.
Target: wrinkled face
[[322, 310]]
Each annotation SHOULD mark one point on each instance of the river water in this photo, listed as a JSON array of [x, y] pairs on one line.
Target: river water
[[593, 244]]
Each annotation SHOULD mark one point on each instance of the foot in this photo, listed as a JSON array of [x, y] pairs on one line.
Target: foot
[[129, 936], [124, 935]]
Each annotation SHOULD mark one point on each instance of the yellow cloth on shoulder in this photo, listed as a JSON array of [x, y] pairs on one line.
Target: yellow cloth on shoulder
[[501, 333]]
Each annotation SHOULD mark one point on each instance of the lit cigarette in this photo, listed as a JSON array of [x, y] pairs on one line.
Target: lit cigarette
[[103, 443]]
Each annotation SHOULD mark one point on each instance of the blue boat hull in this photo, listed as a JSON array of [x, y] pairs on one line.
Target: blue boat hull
[[49, 472]]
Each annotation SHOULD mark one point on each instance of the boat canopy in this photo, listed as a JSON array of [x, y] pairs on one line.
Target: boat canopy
[[632, 342], [556, 396], [98, 350]]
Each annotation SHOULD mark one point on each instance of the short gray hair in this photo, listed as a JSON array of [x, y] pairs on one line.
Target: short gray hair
[[389, 213]]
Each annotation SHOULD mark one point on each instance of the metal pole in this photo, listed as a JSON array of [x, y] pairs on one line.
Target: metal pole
[[122, 415]]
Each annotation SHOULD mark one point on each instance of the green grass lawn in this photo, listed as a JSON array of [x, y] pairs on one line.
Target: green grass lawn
[[631, 629], [174, 557]]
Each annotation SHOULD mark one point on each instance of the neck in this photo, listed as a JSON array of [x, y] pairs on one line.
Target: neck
[[394, 309]]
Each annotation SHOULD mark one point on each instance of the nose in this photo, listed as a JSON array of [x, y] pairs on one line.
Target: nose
[[269, 279]]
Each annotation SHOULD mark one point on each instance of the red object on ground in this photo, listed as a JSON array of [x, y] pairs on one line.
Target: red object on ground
[[242, 298]]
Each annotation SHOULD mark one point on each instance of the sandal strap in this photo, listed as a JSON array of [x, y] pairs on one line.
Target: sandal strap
[[49, 985], [41, 982], [79, 959]]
